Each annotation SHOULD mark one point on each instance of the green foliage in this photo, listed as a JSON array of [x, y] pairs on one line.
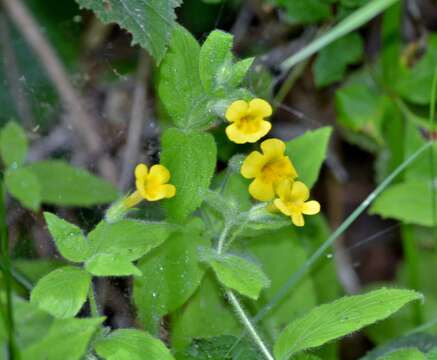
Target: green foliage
[[205, 315], [131, 344], [24, 186], [332, 62], [149, 21], [13, 145], [66, 339], [239, 274], [308, 163], [62, 184], [191, 158], [340, 318], [410, 202], [415, 84], [404, 354], [69, 239], [306, 11], [172, 273], [196, 82], [115, 246], [220, 348], [62, 292]]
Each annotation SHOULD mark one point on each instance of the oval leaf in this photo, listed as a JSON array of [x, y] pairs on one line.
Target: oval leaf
[[111, 265], [62, 292], [339, 318], [130, 344], [24, 186], [62, 184], [68, 238], [191, 158], [241, 275], [13, 145]]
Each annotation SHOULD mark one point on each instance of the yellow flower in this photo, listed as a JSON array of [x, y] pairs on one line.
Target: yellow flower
[[293, 202], [267, 169], [248, 124], [152, 185]]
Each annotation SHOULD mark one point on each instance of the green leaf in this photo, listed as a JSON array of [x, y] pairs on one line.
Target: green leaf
[[62, 184], [360, 109], [204, 316], [415, 84], [221, 348], [128, 238], [215, 59], [308, 152], [111, 265], [131, 344], [306, 11], [339, 318], [191, 158], [24, 186], [13, 145], [332, 62], [282, 253], [239, 71], [68, 238], [172, 273], [67, 339], [62, 292], [404, 354], [149, 21], [409, 202], [180, 88], [239, 274]]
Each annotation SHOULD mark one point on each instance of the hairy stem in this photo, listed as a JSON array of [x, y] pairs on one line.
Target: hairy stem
[[245, 320], [92, 301]]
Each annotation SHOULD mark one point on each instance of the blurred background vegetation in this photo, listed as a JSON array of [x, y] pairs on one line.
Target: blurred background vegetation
[[372, 85]]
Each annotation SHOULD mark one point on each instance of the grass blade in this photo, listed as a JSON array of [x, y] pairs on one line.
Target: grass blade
[[352, 22]]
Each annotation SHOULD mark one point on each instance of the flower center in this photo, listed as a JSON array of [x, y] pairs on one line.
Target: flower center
[[248, 124], [274, 171]]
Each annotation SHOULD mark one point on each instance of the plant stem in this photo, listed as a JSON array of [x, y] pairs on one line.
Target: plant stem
[[238, 307], [412, 266], [248, 324], [92, 301], [9, 316]]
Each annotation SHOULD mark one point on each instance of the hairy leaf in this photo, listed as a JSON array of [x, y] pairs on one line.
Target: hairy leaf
[[191, 158], [13, 144], [62, 292], [131, 344], [62, 184], [68, 238], [149, 21], [24, 186], [339, 318]]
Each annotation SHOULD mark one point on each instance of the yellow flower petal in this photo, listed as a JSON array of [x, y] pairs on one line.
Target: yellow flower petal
[[311, 207], [236, 110], [261, 191], [273, 148], [141, 171], [159, 173], [235, 135], [282, 207], [170, 190], [299, 192], [252, 165], [259, 107], [297, 219], [271, 207], [283, 189]]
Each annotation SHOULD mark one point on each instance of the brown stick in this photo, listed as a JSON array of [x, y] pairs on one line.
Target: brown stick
[[132, 150], [80, 119]]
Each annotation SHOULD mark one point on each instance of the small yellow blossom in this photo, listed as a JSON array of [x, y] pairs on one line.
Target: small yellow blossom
[[152, 185], [247, 118], [293, 202], [267, 169]]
